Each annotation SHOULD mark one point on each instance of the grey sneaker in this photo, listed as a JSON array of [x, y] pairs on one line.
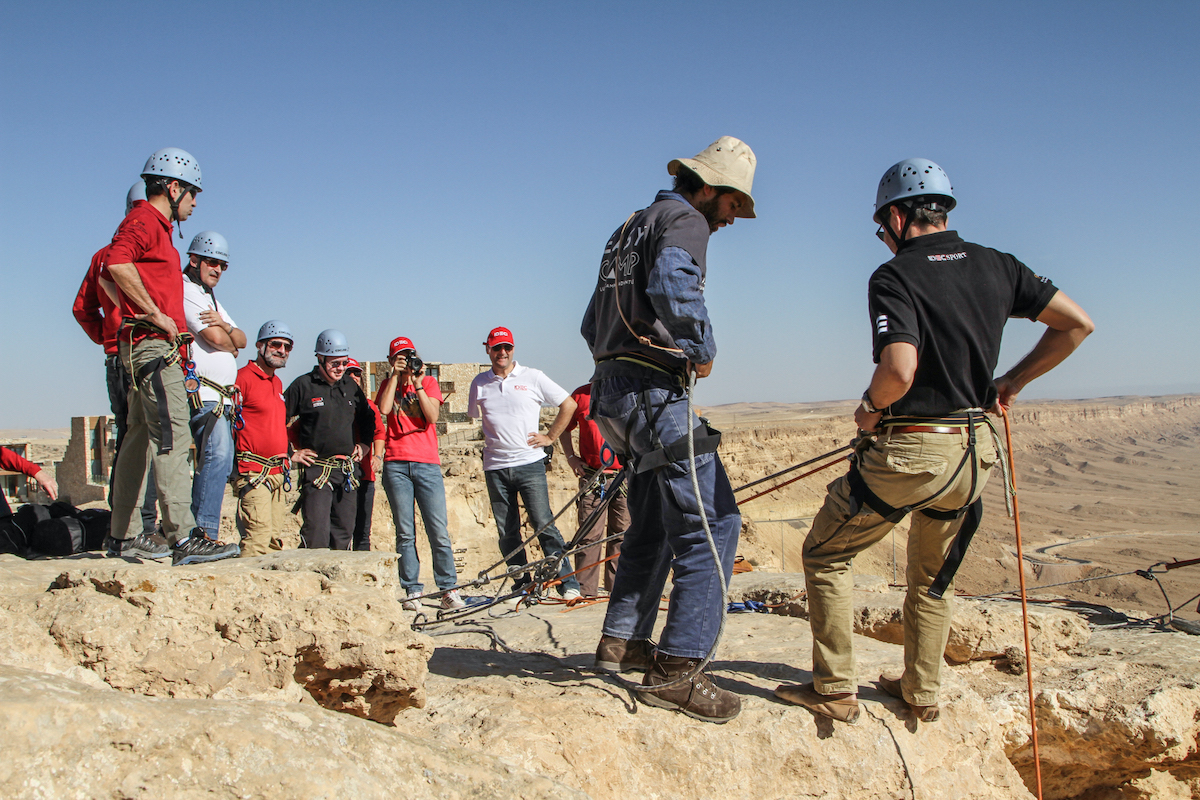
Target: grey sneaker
[[624, 655], [140, 546], [412, 603], [451, 600], [198, 549]]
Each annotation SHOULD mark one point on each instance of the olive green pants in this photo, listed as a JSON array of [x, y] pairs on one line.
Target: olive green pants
[[901, 469], [143, 435]]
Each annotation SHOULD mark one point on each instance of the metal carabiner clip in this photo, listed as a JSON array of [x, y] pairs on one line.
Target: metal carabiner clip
[[190, 380]]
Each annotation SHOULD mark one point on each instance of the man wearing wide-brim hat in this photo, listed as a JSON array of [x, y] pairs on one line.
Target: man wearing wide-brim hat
[[647, 327]]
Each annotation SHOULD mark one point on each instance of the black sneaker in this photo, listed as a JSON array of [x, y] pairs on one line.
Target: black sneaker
[[197, 549], [140, 546]]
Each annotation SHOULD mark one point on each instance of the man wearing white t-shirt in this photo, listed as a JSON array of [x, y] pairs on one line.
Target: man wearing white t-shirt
[[508, 400], [214, 351]]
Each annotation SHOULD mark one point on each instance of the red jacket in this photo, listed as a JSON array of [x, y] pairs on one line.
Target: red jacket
[[14, 463], [94, 310]]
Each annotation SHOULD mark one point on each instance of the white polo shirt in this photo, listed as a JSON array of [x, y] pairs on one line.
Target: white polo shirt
[[510, 408], [216, 365]]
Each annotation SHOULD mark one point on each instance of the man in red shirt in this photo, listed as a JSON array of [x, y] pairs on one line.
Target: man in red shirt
[[371, 466], [593, 455], [96, 313], [411, 401], [144, 266], [260, 434]]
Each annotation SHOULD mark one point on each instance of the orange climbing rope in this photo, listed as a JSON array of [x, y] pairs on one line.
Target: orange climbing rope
[[1037, 760]]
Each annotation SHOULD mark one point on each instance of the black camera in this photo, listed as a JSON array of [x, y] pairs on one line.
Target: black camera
[[414, 362]]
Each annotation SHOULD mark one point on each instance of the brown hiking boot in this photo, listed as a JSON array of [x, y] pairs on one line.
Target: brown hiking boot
[[699, 698], [922, 713], [624, 655]]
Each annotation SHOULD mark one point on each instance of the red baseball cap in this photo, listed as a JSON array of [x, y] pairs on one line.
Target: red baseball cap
[[500, 336], [352, 364], [398, 344]]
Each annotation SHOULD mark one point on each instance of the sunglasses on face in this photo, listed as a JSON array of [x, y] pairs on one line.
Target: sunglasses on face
[[502, 347], [214, 263], [338, 364], [280, 344]]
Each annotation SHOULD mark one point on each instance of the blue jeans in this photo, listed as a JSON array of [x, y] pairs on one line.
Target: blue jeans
[[216, 462], [665, 530], [405, 482], [528, 481]]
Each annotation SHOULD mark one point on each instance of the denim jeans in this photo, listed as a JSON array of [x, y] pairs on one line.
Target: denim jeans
[[665, 530], [215, 464], [528, 481], [361, 539], [405, 482]]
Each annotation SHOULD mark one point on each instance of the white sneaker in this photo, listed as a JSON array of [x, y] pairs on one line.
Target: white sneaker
[[571, 594], [412, 604], [451, 600]]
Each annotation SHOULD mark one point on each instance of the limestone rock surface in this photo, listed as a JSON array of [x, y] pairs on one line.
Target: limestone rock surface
[[1125, 709], [67, 740], [230, 629], [541, 708]]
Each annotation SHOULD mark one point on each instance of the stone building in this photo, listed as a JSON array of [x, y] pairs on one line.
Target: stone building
[[455, 380]]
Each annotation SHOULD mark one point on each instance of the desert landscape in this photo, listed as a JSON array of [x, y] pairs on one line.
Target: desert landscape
[[297, 674]]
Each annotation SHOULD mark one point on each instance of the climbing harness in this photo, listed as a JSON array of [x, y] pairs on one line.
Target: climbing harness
[[153, 370], [265, 465], [861, 495], [342, 464]]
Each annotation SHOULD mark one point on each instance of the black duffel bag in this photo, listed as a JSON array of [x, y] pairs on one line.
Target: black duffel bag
[[62, 536]]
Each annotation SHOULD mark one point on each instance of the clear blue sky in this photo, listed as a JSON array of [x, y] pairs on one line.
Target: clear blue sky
[[436, 169]]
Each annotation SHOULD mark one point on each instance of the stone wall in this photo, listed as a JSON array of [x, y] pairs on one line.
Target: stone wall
[[83, 473]]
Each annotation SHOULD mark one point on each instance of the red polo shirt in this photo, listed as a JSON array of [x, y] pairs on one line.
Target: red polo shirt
[[265, 432], [94, 310], [590, 440], [144, 240]]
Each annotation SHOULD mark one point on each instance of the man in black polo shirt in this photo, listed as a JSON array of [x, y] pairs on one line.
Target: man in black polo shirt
[[938, 310], [331, 428]]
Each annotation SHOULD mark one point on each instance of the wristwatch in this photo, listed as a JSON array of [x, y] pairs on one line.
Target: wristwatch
[[867, 405]]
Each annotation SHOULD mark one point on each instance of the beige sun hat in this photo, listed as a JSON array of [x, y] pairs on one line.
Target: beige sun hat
[[726, 162]]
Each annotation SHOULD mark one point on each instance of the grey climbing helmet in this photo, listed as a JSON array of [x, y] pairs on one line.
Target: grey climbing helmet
[[274, 329], [171, 162], [210, 244], [332, 343], [136, 192], [915, 178]]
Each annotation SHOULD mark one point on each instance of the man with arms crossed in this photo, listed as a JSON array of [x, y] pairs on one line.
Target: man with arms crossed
[[938, 310], [508, 399], [647, 327], [214, 351]]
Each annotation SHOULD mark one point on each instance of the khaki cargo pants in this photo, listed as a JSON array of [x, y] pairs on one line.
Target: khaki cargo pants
[[901, 469], [144, 433], [260, 515]]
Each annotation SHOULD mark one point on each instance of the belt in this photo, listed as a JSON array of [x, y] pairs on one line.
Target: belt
[[927, 428], [342, 464]]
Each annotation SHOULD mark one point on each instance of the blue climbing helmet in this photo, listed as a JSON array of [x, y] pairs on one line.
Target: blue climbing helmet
[[917, 180], [171, 162], [210, 244], [136, 192], [332, 343], [274, 329]]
